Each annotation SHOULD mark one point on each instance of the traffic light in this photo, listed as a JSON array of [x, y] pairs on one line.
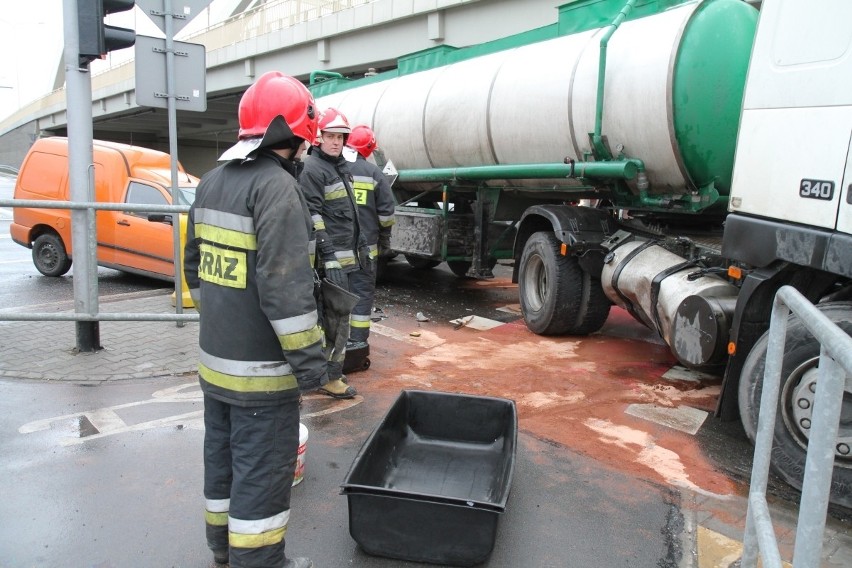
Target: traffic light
[[95, 37]]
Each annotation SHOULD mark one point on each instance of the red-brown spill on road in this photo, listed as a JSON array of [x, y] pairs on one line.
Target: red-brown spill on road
[[570, 390]]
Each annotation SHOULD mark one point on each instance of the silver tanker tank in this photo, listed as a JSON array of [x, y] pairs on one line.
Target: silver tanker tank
[[672, 93]]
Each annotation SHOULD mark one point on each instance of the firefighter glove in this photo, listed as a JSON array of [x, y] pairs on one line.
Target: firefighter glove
[[385, 249], [368, 263], [335, 275]]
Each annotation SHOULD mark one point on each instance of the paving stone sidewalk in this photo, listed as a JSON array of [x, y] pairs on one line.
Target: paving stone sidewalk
[[46, 350]]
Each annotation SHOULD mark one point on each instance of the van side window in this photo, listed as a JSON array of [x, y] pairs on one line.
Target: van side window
[[140, 193]]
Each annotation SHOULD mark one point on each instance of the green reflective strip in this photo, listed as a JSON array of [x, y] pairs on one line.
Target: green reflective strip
[[348, 261], [363, 185], [301, 339], [247, 384], [216, 519], [227, 237], [361, 324], [335, 194], [386, 221], [238, 540], [319, 225]]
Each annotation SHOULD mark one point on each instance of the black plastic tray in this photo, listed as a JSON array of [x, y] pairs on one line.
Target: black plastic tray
[[430, 482]]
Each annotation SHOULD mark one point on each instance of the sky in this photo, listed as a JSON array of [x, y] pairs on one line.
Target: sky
[[32, 38], [30, 49]]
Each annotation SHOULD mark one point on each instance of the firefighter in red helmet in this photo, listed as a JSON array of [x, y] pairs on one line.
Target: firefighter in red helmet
[[249, 268], [376, 216], [327, 185]]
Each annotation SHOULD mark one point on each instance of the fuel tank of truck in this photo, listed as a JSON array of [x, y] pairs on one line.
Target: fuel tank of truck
[[672, 96]]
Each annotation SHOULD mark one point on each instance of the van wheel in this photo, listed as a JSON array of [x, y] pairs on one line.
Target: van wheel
[[49, 255]]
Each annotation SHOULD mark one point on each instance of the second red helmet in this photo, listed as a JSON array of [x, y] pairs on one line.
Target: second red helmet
[[332, 120], [362, 139]]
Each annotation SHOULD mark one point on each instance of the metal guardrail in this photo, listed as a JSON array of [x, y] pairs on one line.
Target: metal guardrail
[[133, 207], [112, 316], [835, 376]]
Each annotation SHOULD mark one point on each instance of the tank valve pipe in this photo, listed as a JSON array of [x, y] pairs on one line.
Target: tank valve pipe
[[325, 74], [642, 183], [619, 169], [597, 140]]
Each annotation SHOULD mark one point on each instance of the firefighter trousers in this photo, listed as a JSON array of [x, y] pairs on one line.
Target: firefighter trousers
[[249, 463], [363, 284]]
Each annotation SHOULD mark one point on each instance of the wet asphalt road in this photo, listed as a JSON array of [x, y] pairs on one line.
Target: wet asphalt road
[[134, 498]]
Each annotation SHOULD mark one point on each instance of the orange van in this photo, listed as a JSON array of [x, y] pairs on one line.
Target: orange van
[[128, 241]]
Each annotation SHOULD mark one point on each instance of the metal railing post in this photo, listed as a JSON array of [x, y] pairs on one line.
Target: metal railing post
[[816, 486], [834, 366]]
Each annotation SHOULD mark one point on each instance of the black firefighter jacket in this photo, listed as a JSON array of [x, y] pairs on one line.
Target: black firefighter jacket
[[375, 201], [248, 266], [327, 185]]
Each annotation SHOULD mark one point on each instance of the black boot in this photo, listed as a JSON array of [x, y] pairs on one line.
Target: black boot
[[357, 356]]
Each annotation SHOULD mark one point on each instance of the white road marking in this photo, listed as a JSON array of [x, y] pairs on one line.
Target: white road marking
[[108, 422], [105, 420]]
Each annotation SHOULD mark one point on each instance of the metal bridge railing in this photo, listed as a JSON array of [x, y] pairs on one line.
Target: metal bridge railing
[[835, 376], [100, 316]]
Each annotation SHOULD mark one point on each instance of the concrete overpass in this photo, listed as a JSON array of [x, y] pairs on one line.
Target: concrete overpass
[[297, 37]]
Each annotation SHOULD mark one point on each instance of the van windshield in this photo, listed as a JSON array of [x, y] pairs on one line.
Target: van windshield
[[186, 195]]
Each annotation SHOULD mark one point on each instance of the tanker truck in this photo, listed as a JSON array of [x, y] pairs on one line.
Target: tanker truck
[[680, 160]]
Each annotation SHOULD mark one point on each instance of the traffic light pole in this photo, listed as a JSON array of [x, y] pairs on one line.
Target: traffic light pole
[[81, 176], [171, 91]]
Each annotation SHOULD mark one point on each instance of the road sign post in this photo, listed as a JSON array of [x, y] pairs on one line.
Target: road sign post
[[170, 16]]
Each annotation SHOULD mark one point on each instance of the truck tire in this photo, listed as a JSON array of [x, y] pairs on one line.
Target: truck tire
[[420, 263], [49, 255], [557, 296], [799, 370]]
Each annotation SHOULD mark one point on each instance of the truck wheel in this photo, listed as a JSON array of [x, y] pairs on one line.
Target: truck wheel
[[421, 263], [798, 382], [460, 267], [49, 255], [557, 296]]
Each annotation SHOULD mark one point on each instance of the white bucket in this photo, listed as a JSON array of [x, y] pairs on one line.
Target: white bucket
[[300, 456]]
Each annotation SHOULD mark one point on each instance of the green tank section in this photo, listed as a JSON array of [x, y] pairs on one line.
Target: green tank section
[[708, 81]]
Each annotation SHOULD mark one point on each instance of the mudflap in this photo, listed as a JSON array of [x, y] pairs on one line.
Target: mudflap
[[356, 360]]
